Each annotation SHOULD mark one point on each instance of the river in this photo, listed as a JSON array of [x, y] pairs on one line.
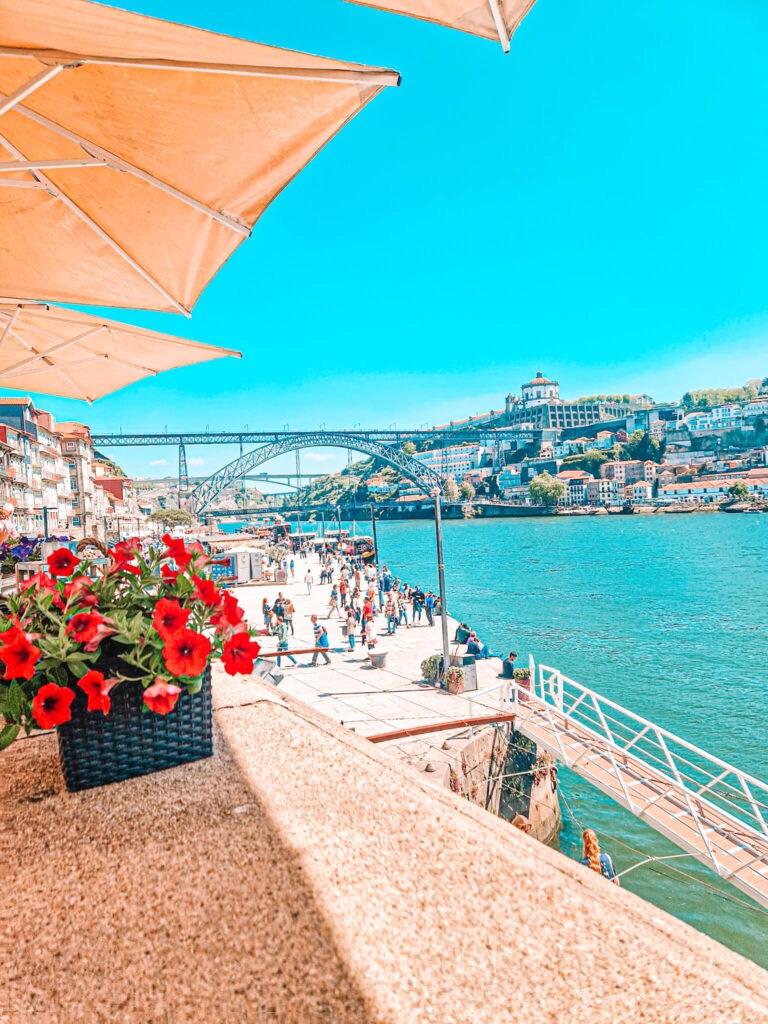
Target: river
[[667, 615]]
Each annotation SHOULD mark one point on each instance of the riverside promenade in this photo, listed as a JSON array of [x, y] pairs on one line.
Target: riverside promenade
[[369, 701]]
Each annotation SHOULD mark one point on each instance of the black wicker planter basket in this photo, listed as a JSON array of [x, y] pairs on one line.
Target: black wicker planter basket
[[96, 749]]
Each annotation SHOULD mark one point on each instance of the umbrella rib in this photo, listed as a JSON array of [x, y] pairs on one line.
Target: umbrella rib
[[73, 385], [49, 366], [358, 76], [10, 101], [22, 364], [498, 21], [49, 165], [13, 183], [109, 159], [9, 325], [72, 205]]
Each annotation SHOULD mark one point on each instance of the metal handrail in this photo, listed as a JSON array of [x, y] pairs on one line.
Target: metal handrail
[[658, 729], [556, 690]]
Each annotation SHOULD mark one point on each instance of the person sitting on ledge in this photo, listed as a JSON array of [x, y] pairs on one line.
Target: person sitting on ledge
[[508, 666], [595, 860], [479, 650], [463, 633]]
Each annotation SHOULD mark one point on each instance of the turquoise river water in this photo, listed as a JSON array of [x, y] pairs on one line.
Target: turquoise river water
[[666, 615]]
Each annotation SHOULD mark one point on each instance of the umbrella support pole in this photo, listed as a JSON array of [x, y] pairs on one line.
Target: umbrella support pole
[[501, 28], [9, 102]]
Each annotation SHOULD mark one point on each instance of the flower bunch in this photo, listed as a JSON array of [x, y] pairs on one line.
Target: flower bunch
[[153, 615]]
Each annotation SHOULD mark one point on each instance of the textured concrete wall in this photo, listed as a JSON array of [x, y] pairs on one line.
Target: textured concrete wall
[[304, 876]]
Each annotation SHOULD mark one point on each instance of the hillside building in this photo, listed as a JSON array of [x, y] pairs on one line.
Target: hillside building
[[540, 405]]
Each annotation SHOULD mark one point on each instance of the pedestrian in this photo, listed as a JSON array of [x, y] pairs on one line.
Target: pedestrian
[[417, 597], [266, 611], [402, 614], [333, 602], [323, 643], [429, 607], [289, 612], [309, 580], [316, 627], [282, 639], [351, 626], [293, 566], [389, 611], [594, 859]]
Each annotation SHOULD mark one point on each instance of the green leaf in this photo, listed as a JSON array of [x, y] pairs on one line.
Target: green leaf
[[194, 686], [8, 735]]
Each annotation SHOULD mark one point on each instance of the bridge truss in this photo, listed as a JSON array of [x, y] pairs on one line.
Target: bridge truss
[[246, 437], [209, 489]]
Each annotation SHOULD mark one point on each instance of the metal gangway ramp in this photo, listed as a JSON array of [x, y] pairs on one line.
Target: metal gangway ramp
[[707, 807]]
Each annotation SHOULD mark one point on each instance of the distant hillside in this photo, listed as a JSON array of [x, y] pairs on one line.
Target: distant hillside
[[350, 483]]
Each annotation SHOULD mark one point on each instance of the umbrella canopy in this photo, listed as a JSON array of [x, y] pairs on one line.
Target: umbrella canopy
[[492, 19], [60, 352], [137, 154]]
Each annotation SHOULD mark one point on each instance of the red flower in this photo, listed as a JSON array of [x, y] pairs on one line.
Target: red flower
[[104, 629], [207, 592], [161, 697], [19, 658], [76, 592], [13, 633], [127, 550], [62, 562], [199, 557], [84, 626], [135, 570], [230, 616], [51, 705], [97, 688], [239, 653], [79, 589], [174, 548], [169, 575], [169, 617], [39, 580], [186, 653]]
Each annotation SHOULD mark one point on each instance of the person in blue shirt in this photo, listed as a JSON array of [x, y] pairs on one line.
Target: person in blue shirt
[[429, 608], [594, 859], [321, 641]]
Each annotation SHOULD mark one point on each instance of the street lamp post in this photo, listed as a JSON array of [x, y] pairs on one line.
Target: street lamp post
[[441, 576], [375, 538]]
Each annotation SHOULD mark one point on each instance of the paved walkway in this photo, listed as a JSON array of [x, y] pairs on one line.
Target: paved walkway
[[349, 690]]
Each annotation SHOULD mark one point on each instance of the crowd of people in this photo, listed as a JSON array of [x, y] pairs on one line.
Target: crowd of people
[[359, 593]]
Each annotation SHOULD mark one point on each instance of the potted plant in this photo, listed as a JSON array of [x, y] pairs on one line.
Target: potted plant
[[429, 669], [117, 658], [523, 678], [454, 679]]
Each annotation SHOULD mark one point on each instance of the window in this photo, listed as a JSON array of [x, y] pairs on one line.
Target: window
[[75, 520], [70, 446], [75, 503]]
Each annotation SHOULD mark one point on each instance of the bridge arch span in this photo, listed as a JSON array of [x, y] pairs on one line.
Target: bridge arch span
[[421, 475]]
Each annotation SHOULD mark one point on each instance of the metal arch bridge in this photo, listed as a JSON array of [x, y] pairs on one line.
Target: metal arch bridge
[[209, 489], [466, 432]]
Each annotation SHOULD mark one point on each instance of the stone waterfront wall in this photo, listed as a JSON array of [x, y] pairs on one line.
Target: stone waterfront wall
[[500, 770]]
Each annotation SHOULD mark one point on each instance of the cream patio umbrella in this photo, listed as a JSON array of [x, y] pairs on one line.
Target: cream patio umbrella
[[492, 19], [137, 154], [61, 352]]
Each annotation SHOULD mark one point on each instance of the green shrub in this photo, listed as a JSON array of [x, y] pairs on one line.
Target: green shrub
[[429, 669]]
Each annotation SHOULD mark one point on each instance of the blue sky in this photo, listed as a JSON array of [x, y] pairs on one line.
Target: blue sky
[[592, 205]]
